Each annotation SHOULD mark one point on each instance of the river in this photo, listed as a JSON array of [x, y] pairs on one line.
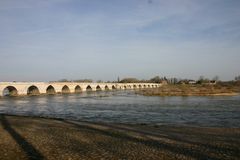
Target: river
[[127, 107]]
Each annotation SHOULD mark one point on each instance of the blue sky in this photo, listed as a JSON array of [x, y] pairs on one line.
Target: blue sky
[[43, 40]]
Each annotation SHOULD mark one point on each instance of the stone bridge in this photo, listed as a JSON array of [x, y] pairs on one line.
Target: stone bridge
[[36, 88]]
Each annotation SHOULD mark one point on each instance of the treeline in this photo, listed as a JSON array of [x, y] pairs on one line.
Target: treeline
[[79, 80], [201, 80], [156, 79], [237, 78], [173, 80]]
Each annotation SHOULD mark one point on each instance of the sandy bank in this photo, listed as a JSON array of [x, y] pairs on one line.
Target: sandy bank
[[191, 90], [39, 138]]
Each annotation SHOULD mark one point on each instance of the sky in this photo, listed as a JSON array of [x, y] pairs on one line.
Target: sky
[[45, 40]]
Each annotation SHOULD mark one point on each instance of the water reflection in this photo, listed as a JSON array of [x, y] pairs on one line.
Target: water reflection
[[127, 107]]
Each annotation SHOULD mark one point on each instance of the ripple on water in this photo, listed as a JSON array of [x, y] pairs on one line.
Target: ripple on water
[[126, 107]]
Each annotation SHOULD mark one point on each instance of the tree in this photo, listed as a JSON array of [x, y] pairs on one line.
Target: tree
[[63, 80], [202, 80], [237, 78], [216, 78], [155, 79], [129, 80], [84, 80], [175, 80]]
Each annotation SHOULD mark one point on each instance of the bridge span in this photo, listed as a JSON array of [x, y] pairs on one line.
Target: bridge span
[[37, 88]]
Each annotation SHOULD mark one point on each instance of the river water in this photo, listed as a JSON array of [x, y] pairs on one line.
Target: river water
[[127, 107]]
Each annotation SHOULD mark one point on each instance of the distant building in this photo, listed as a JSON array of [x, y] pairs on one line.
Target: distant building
[[207, 82], [181, 82], [192, 82], [213, 82], [187, 81]]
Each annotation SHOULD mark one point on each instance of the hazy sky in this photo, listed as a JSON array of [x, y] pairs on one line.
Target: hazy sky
[[42, 40]]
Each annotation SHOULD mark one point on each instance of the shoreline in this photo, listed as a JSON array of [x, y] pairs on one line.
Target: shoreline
[[54, 138], [146, 124]]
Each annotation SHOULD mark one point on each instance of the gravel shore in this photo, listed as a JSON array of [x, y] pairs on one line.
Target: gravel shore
[[41, 138]]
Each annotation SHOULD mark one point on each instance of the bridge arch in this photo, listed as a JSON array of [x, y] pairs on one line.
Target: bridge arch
[[78, 89], [144, 86], [50, 90], [106, 88], [65, 89], [10, 91], [125, 87], [140, 86], [113, 87], [88, 88], [33, 90], [134, 86], [98, 88]]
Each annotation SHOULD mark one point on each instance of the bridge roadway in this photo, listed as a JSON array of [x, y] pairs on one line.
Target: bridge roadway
[[36, 88]]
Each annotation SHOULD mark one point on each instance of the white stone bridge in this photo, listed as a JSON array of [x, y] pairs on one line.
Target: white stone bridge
[[36, 88]]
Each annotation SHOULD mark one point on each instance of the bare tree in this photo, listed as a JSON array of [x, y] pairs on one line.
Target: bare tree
[[237, 78], [216, 78]]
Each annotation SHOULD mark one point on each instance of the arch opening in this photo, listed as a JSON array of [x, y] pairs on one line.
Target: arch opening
[[139, 86], [78, 89], [125, 87], [113, 87], [98, 88], [89, 88], [106, 88], [134, 86], [10, 91], [65, 89], [149, 86], [144, 86], [50, 90], [33, 90]]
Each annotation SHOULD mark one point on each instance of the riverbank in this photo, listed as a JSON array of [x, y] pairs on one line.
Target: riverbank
[[192, 90], [41, 138]]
